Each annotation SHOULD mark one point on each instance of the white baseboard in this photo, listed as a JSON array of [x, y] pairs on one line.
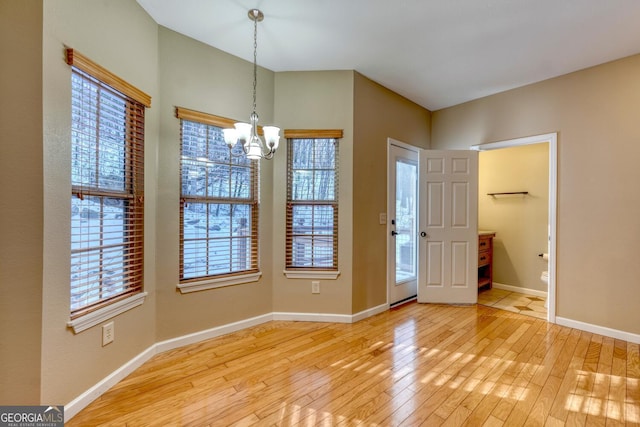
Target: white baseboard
[[332, 318], [312, 317], [197, 337], [518, 289], [80, 402], [369, 312], [600, 330]]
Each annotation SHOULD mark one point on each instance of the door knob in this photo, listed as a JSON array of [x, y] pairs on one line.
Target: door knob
[[423, 234], [394, 233]]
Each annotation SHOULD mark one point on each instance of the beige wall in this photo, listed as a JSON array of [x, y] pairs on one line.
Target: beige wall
[[314, 100], [199, 77], [378, 114], [520, 222], [369, 114], [120, 36], [595, 112], [20, 201]]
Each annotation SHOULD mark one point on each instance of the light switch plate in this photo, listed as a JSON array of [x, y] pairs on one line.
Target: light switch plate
[[383, 218]]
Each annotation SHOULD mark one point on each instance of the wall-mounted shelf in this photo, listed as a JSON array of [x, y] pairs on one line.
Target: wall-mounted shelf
[[508, 193]]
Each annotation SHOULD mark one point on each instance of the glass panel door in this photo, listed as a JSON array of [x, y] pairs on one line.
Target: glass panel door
[[406, 219]]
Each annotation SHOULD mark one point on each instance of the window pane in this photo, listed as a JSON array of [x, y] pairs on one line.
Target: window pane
[[325, 154], [323, 251], [114, 212], [97, 250], [324, 185], [195, 255], [194, 178], [302, 185], [194, 139], [218, 181], [302, 153], [112, 142], [406, 220], [323, 220], [302, 219], [218, 150], [98, 137], [240, 182]]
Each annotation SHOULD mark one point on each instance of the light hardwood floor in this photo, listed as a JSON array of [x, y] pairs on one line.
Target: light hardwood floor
[[514, 301], [415, 365]]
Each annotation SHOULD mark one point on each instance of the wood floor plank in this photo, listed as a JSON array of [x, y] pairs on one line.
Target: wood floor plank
[[483, 399], [581, 399], [565, 397], [597, 412], [521, 369], [483, 379], [420, 364], [617, 385], [632, 401]]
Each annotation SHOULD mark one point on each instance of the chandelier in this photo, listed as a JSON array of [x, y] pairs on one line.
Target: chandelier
[[247, 133]]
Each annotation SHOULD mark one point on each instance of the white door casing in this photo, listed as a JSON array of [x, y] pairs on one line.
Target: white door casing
[[448, 248], [552, 140]]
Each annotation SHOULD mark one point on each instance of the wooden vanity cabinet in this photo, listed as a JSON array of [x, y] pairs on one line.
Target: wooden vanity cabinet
[[485, 259]]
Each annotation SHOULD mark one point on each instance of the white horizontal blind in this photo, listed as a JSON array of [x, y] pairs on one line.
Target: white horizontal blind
[[312, 203], [107, 196], [218, 207]]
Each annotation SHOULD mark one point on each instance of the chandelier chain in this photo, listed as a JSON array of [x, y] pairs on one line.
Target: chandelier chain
[[255, 63]]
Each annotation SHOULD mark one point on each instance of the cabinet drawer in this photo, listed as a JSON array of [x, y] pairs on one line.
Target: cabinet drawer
[[484, 258], [484, 243]]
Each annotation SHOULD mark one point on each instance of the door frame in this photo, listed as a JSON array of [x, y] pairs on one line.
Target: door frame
[[391, 280], [552, 139]]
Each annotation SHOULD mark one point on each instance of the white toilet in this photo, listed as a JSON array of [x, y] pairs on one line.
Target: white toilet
[[545, 277]]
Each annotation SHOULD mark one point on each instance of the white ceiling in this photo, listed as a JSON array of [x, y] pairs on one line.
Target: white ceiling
[[438, 53]]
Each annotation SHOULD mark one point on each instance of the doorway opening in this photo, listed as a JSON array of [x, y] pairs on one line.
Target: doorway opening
[[551, 140]]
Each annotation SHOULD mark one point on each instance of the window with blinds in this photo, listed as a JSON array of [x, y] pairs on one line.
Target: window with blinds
[[312, 200], [219, 202], [107, 191]]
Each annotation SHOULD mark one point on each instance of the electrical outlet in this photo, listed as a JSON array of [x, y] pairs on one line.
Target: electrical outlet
[[315, 287], [107, 334]]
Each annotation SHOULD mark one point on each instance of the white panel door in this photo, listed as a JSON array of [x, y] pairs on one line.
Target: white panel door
[[448, 267]]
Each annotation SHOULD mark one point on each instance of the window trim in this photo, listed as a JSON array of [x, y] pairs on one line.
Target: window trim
[[107, 312], [290, 271], [78, 60], [218, 282], [311, 274]]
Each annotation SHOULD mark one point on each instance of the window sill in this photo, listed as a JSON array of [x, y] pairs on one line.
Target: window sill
[[95, 317], [311, 274], [203, 285]]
